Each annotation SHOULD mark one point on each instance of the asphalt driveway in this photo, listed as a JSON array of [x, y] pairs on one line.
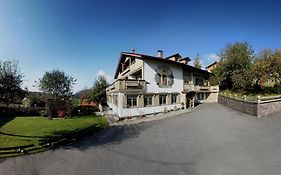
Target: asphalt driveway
[[211, 140]]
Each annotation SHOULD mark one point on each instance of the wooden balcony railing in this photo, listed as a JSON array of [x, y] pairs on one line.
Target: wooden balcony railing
[[198, 88], [127, 85]]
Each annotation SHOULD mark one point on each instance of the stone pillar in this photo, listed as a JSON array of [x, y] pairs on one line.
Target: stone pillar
[[140, 102], [169, 99], [124, 101], [156, 99], [182, 100]]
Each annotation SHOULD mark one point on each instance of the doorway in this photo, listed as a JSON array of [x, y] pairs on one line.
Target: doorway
[[190, 99]]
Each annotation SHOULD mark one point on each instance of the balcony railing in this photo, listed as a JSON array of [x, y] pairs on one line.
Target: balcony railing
[[127, 85], [198, 88]]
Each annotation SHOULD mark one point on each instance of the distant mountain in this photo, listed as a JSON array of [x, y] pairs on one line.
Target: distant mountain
[[83, 94]]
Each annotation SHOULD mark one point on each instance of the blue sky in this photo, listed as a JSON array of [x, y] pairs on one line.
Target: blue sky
[[84, 38]]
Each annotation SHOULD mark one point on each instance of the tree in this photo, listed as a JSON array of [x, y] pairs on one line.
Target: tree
[[57, 83], [197, 62], [235, 62], [60, 86], [10, 82], [98, 93], [267, 68]]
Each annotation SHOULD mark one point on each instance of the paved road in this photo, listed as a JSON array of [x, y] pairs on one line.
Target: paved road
[[211, 140]]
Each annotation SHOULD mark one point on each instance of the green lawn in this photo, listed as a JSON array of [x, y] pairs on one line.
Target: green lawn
[[33, 130]]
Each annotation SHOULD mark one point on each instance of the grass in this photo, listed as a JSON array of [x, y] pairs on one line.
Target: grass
[[35, 130]]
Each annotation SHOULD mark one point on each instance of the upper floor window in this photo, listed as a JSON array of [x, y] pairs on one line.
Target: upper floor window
[[164, 76], [164, 80], [199, 81]]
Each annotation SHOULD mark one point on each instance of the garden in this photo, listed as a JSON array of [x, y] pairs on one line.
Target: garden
[[31, 122], [29, 134]]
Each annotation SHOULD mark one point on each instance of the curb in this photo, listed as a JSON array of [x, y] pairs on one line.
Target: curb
[[147, 118]]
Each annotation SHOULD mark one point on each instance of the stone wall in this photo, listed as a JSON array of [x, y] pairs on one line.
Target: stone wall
[[255, 108], [269, 107], [239, 105]]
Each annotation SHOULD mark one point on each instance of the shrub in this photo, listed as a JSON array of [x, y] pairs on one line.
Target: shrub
[[84, 110], [7, 111]]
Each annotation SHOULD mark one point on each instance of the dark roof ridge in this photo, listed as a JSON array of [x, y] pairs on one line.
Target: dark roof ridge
[[174, 55]]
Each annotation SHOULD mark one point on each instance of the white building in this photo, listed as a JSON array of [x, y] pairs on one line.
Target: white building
[[148, 84]]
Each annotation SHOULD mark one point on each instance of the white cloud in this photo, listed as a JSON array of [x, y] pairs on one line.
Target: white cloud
[[109, 78], [208, 59], [212, 57]]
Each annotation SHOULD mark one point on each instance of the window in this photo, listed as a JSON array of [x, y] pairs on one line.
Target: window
[[187, 82], [148, 100], [199, 81], [187, 79], [174, 98], [132, 100], [164, 80], [162, 99], [137, 75], [200, 96]]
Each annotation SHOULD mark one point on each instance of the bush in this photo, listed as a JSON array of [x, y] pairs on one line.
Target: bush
[[84, 110], [20, 111], [272, 90]]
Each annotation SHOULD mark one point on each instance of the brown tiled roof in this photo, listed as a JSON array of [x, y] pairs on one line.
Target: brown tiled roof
[[148, 57]]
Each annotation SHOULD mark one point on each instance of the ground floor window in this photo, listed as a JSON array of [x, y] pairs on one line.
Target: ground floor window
[[162, 99], [148, 100], [174, 98], [132, 100], [200, 96]]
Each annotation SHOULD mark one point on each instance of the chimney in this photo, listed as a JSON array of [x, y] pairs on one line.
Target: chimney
[[160, 53]]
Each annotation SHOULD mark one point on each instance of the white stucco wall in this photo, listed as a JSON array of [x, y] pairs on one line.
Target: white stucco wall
[[212, 97], [128, 112], [149, 76]]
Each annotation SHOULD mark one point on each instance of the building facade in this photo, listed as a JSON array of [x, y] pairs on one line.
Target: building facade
[[153, 84], [212, 66]]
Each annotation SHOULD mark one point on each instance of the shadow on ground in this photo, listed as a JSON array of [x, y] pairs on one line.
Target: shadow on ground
[[109, 136], [6, 119]]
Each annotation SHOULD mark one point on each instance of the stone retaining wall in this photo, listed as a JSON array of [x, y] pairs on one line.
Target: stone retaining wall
[[239, 105], [255, 108], [269, 107]]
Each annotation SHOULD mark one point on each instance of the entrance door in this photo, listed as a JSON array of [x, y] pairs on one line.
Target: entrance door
[[190, 99]]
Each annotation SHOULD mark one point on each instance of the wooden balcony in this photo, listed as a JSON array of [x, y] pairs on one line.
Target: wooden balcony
[[198, 88], [127, 86]]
